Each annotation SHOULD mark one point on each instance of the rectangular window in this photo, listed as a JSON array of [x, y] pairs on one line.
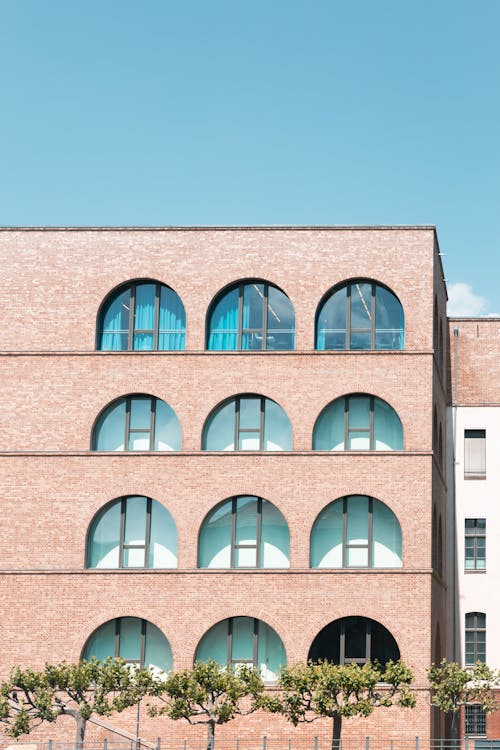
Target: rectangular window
[[475, 638], [475, 544], [475, 454], [475, 719]]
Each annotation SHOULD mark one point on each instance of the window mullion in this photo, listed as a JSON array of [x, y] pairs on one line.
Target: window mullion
[[156, 318], [348, 317], [229, 641], [152, 423], [373, 312], [262, 424], [346, 422], [370, 532], [122, 531], [234, 510], [143, 643], [241, 288], [265, 303], [344, 531], [237, 424], [131, 325], [342, 643], [118, 623], [128, 407], [148, 531], [372, 423], [255, 642], [368, 647], [258, 561]]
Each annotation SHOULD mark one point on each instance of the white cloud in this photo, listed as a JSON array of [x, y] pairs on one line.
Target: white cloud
[[463, 303]]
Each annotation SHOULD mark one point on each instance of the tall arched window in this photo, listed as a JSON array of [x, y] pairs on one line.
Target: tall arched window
[[247, 423], [244, 532], [356, 532], [132, 532], [130, 638], [358, 422], [243, 640], [142, 315], [137, 423], [251, 315], [360, 315], [354, 640]]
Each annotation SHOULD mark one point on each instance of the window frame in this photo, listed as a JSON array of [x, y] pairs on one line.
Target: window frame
[[475, 722], [126, 428], [472, 536], [372, 329], [116, 655], [241, 331], [132, 331], [472, 646], [342, 625]]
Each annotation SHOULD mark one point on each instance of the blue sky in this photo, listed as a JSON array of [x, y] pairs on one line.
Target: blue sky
[[173, 112]]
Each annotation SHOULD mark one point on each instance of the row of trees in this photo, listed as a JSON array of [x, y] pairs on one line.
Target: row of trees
[[212, 695]]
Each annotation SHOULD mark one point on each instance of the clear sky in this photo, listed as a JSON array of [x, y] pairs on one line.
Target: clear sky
[[173, 112]]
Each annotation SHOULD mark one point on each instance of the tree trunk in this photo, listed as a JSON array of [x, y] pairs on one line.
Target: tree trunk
[[211, 734], [81, 724], [337, 729]]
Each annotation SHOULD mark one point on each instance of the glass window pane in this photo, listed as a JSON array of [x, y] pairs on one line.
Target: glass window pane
[[326, 537], [135, 520], [387, 542], [355, 638], [252, 340], [110, 431], [140, 413], [249, 413], [277, 428], [359, 412], [115, 323], [168, 436], [130, 638], [144, 307], [213, 645], [158, 654], [215, 538], [134, 557], [280, 321], [253, 306], [270, 653], [172, 324], [245, 557], [163, 538], [357, 520], [219, 431], [361, 301], [275, 538], [139, 441], [249, 441], [358, 441], [360, 341], [246, 520], [224, 323], [101, 644], [143, 341], [388, 432], [331, 324], [105, 539], [242, 647], [329, 429], [357, 557], [388, 320]]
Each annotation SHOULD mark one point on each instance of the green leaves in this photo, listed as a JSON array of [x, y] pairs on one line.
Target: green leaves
[[311, 691], [80, 690], [208, 693], [452, 686]]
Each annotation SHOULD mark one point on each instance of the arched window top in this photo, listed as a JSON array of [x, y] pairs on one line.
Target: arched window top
[[138, 422], [244, 532], [244, 640], [142, 315], [132, 532], [358, 422], [248, 422], [355, 640], [130, 638], [251, 315], [356, 532], [358, 315]]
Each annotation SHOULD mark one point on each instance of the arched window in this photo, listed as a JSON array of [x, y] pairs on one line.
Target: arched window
[[142, 316], [356, 532], [248, 423], [358, 422], [132, 532], [137, 423], [354, 640], [360, 315], [243, 640], [251, 315], [130, 638], [244, 532]]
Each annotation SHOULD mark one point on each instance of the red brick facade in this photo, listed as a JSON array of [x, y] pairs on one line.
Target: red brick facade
[[54, 384]]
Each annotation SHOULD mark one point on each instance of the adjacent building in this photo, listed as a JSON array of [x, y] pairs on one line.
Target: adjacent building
[[230, 443]]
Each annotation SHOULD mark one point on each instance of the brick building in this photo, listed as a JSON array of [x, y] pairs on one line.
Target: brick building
[[225, 442]]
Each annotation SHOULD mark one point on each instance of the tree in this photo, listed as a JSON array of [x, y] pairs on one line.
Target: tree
[[316, 690], [453, 686], [30, 698], [207, 694]]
